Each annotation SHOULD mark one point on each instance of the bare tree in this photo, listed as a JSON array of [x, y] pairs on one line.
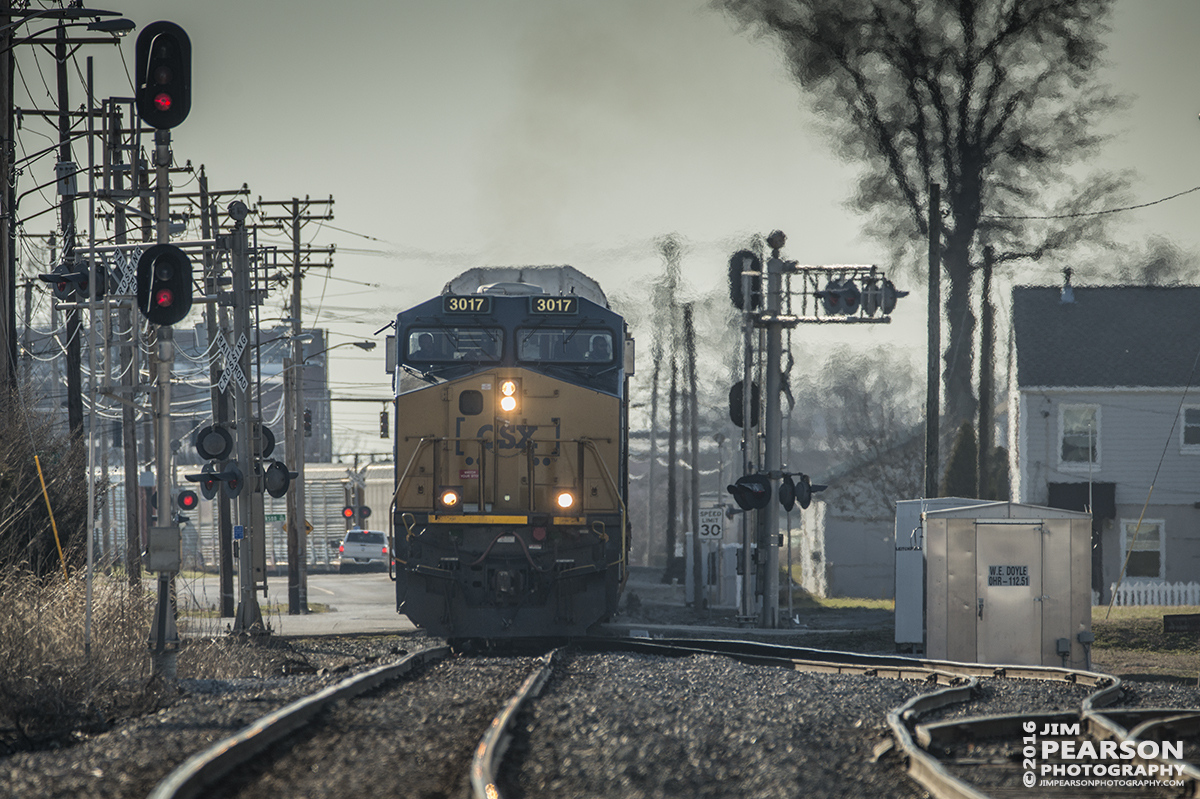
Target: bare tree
[[997, 100], [865, 412]]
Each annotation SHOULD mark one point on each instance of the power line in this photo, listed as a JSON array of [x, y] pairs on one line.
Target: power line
[[1096, 213]]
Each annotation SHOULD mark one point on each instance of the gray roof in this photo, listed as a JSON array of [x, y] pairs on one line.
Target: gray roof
[[1108, 337]]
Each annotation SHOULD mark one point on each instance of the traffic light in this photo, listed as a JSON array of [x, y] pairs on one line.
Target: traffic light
[[737, 414], [278, 478], [751, 491], [307, 423], [163, 75], [164, 284], [383, 424], [348, 512], [840, 297], [737, 265], [71, 282]]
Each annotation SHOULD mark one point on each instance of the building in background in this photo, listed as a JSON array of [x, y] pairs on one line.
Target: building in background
[[1105, 400]]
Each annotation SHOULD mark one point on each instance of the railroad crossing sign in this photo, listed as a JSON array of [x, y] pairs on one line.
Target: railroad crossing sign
[[125, 270], [712, 523], [232, 368]]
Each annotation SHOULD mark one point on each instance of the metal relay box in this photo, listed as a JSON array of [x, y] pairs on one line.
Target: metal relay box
[[1008, 583]]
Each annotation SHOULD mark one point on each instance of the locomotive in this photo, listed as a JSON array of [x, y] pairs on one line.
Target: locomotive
[[509, 515]]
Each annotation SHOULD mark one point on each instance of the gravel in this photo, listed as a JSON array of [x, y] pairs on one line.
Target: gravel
[[606, 725], [705, 726], [127, 761]]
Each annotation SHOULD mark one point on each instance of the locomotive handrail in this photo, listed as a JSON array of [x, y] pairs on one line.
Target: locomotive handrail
[[616, 492], [396, 495]]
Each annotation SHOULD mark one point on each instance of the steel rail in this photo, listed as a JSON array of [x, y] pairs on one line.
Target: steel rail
[[1112, 726], [200, 770], [495, 741]]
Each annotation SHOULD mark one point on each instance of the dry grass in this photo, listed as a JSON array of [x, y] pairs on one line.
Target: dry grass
[[1131, 644], [50, 684]]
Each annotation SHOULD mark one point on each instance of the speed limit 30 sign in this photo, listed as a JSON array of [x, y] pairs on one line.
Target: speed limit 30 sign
[[712, 522]]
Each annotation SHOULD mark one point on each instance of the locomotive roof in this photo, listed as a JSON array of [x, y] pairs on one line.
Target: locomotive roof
[[556, 280]]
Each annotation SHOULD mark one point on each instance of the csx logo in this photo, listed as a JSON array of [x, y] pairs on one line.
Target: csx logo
[[509, 436]]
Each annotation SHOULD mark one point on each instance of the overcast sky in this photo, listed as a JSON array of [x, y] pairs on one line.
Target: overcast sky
[[458, 134]]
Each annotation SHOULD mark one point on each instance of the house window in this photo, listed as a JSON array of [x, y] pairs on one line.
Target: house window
[[1080, 426], [1143, 545], [1189, 425]]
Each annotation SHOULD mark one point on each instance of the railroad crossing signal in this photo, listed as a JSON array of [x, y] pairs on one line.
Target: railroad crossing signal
[[357, 514], [187, 500], [751, 491], [230, 479], [277, 478], [71, 282], [840, 297], [163, 72], [164, 284]]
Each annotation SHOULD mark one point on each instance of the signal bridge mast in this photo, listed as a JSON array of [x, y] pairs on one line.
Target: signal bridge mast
[[827, 295]]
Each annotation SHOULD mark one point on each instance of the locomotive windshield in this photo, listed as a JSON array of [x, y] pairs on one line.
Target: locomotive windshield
[[564, 345], [438, 345]]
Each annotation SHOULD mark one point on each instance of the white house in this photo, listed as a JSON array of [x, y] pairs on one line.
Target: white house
[[1104, 409]]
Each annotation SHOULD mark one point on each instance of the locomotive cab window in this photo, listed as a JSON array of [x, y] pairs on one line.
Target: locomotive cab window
[[440, 345], [565, 345]]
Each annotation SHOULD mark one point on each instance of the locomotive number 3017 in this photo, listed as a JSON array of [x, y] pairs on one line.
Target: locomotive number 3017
[[453, 304], [553, 305]]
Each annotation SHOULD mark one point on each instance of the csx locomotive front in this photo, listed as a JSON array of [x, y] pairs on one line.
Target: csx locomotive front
[[511, 440]]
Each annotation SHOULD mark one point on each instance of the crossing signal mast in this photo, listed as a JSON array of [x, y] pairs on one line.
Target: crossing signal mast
[[163, 85], [835, 294]]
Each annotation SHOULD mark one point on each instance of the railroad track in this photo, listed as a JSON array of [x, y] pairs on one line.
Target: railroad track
[[948, 751]]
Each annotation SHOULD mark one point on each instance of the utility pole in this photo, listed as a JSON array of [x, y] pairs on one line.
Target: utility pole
[[65, 167], [129, 366], [220, 404], [294, 402], [933, 384], [251, 527], [987, 366], [672, 572], [749, 440], [698, 570], [8, 230]]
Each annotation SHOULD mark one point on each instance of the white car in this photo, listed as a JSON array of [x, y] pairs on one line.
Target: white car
[[362, 549]]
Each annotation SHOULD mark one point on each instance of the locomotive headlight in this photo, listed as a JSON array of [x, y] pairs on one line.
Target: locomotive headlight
[[564, 499], [449, 498], [508, 399]]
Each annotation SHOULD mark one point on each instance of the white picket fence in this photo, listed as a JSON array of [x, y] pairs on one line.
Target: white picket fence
[[1141, 592]]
